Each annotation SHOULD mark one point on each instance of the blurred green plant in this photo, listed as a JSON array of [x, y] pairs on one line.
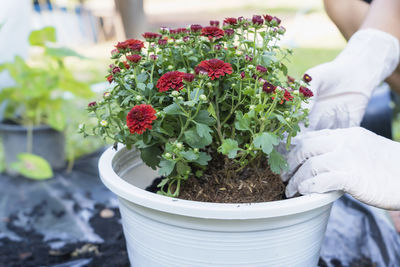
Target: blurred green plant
[[38, 96]]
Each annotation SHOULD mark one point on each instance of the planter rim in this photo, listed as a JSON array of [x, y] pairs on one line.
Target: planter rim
[[21, 128], [206, 209]]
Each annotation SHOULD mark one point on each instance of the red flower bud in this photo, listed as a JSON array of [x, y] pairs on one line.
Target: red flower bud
[[214, 23], [195, 28], [126, 65], [153, 57], [229, 32], [242, 74], [261, 69], [268, 18], [162, 42], [217, 47], [276, 20], [248, 58], [92, 104], [110, 78], [290, 79], [115, 70]]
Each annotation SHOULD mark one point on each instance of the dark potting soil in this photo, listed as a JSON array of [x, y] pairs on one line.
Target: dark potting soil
[[222, 184], [34, 251]]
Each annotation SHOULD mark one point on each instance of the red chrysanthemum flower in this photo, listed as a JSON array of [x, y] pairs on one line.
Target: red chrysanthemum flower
[[110, 78], [305, 91], [140, 118], [216, 68], [151, 36], [134, 58], [132, 44], [170, 80], [188, 77], [212, 32], [230, 21], [268, 87], [242, 74], [307, 78]]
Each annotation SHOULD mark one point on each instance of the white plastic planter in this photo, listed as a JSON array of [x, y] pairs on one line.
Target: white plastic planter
[[162, 231]]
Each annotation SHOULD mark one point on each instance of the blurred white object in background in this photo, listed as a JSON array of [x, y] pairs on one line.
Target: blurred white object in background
[[15, 21]]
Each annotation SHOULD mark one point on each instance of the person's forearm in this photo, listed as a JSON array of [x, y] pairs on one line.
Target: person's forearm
[[348, 15], [384, 15]]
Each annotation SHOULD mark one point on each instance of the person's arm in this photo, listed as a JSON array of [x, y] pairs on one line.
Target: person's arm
[[351, 15], [384, 15], [348, 15]]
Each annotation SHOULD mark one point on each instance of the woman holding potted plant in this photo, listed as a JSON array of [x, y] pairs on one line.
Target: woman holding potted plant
[[208, 106]]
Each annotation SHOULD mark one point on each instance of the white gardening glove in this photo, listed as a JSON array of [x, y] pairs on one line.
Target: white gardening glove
[[354, 160], [343, 87]]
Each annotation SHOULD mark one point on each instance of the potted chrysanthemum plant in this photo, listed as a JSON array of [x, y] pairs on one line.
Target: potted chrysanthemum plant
[[207, 107]]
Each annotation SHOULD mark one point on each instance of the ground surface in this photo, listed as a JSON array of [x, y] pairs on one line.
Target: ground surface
[[73, 220]]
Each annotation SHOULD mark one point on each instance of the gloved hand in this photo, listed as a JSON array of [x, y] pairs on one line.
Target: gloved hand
[[342, 87], [354, 160]]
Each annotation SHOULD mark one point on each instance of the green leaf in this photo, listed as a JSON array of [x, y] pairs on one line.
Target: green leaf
[[195, 94], [203, 130], [63, 52], [211, 110], [141, 86], [141, 78], [173, 109], [40, 37], [194, 140], [268, 58], [266, 142], [151, 156], [242, 123], [203, 159], [189, 155], [166, 167], [229, 147], [182, 168], [150, 86], [32, 166], [204, 117], [277, 162], [56, 120]]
